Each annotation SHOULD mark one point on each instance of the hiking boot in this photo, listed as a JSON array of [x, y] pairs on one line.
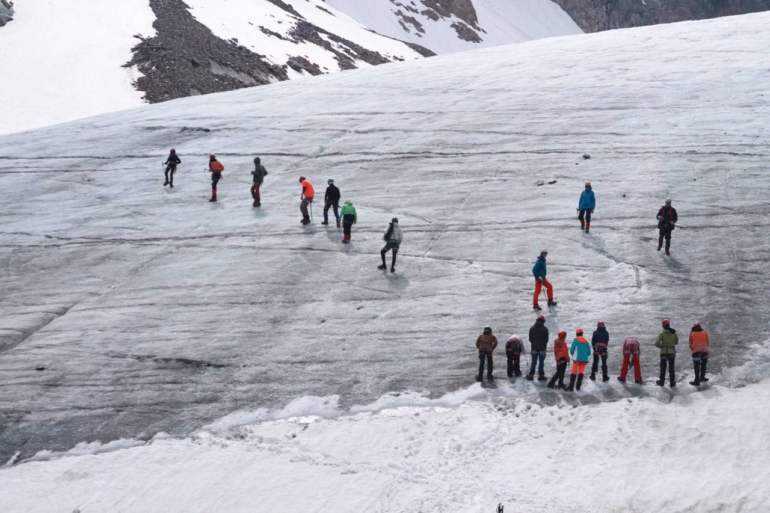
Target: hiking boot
[[536, 307], [622, 380], [541, 377], [338, 223], [551, 302], [165, 183], [305, 221], [382, 267], [667, 251], [639, 382], [592, 377], [553, 386], [530, 377], [695, 383], [325, 222], [479, 379], [660, 383]]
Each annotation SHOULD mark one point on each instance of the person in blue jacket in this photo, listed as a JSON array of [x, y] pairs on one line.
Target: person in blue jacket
[[539, 271], [586, 207], [581, 352]]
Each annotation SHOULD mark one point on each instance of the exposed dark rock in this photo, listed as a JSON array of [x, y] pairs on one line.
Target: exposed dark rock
[[466, 33], [405, 19], [463, 9], [301, 64]]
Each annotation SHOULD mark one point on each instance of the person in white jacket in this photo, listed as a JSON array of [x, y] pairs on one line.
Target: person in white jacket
[[392, 238]]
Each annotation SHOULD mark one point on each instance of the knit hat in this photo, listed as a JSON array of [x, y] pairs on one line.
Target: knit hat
[[541, 317], [562, 334], [600, 324], [697, 324], [212, 157], [543, 251], [487, 330], [394, 220], [514, 336]]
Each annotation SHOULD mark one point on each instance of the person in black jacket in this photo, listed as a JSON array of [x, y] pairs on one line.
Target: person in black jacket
[[667, 218], [599, 342], [538, 339], [259, 174], [332, 199], [171, 163]]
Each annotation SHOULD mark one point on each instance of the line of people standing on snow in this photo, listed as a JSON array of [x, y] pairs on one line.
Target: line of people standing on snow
[[580, 351]]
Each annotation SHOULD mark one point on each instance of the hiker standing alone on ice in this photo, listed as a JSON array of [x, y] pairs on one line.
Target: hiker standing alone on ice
[[667, 341], [171, 163], [539, 271], [586, 207], [667, 219], [393, 238], [308, 193], [332, 199], [215, 168], [259, 174], [486, 344], [699, 345]]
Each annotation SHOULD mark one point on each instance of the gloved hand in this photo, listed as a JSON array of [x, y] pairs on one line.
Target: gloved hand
[[592, 211]]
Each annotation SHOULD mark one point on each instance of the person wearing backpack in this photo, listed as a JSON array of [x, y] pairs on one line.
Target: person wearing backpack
[[349, 218], [171, 163], [599, 342], [513, 349], [215, 168], [393, 238], [259, 175], [332, 199], [561, 354], [667, 341], [581, 352], [632, 353], [486, 344]]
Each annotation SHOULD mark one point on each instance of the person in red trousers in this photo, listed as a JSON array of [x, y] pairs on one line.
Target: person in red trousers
[[631, 354]]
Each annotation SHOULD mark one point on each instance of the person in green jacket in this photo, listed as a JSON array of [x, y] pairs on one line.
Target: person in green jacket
[[349, 218], [667, 341]]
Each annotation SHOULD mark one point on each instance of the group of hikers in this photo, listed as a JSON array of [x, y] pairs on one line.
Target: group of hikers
[[580, 351]]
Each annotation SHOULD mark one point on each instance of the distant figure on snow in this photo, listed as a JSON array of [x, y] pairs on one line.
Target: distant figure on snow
[[308, 193], [561, 354], [215, 168], [586, 207], [259, 175], [539, 271], [667, 219], [632, 353], [171, 163], [486, 344], [581, 352], [599, 341], [349, 218], [393, 238], [332, 199], [513, 349], [538, 340], [699, 345], [667, 341]]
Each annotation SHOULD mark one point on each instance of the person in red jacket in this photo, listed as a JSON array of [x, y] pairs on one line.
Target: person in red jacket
[[667, 219], [561, 353], [308, 193], [699, 345], [486, 344], [513, 349], [632, 352]]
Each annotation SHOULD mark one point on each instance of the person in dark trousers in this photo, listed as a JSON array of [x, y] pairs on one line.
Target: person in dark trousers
[[332, 199], [699, 345], [581, 352], [538, 340], [307, 196], [632, 352], [539, 272], [486, 344], [513, 349], [599, 342], [666, 342], [215, 168], [586, 207], [667, 219], [349, 218], [171, 163], [561, 354], [259, 175], [393, 238]]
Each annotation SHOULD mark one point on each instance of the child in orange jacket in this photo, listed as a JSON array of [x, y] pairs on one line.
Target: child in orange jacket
[[561, 354]]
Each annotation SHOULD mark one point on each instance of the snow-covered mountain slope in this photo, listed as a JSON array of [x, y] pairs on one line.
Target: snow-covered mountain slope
[[459, 25], [147, 309], [67, 60]]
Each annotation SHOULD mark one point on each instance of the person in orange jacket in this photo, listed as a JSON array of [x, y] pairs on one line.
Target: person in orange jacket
[[632, 352], [215, 168], [581, 352], [699, 345], [561, 353], [308, 193], [486, 344]]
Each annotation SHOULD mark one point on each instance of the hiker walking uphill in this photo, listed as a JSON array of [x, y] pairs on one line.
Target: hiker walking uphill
[[539, 271], [259, 175], [308, 193], [699, 345], [538, 340], [215, 168], [171, 162], [667, 219], [513, 349], [486, 344], [586, 207], [581, 352], [632, 353], [332, 199], [349, 218], [667, 341], [393, 238], [599, 341], [561, 354]]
